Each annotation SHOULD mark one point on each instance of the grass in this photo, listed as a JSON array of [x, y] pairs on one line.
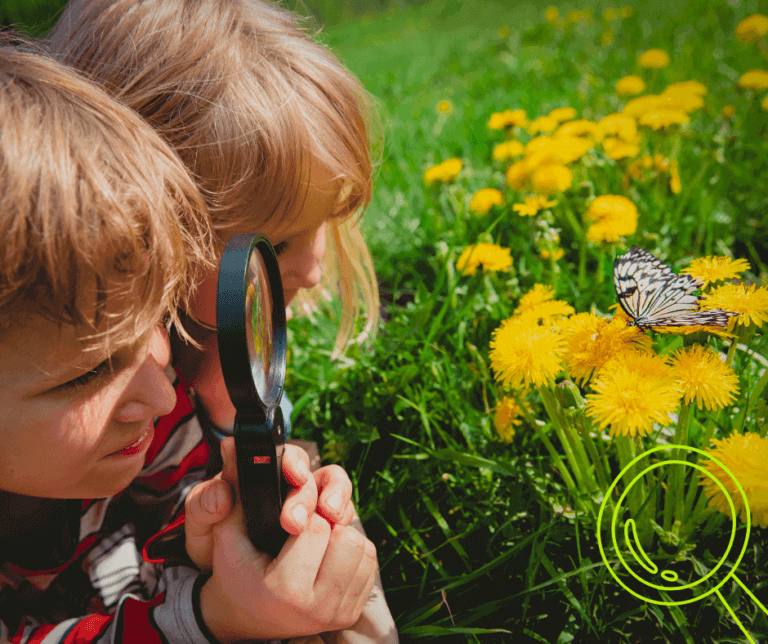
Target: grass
[[481, 539]]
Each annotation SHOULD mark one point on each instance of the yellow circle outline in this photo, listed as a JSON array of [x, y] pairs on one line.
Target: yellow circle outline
[[615, 516]]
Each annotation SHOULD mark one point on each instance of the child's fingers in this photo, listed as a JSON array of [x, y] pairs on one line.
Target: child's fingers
[[335, 491], [207, 504], [295, 466], [299, 505], [229, 468]]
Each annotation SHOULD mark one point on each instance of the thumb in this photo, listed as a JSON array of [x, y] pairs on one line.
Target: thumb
[[207, 504]]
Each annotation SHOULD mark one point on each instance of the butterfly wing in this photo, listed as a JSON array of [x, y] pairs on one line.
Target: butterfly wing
[[711, 317]]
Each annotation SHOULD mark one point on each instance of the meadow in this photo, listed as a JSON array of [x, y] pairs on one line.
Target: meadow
[[504, 393]]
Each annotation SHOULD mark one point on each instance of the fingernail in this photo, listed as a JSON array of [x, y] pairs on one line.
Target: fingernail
[[211, 499], [334, 502], [300, 515]]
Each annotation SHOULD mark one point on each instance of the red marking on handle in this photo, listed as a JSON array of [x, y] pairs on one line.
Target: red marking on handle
[[262, 460]]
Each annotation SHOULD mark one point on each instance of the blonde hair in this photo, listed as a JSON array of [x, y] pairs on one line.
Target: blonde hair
[[90, 196], [250, 102]]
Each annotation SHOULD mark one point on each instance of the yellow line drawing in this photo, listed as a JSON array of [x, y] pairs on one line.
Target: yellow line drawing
[[638, 554]]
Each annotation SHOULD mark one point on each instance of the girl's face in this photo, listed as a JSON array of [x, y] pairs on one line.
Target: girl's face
[[300, 249], [71, 426]]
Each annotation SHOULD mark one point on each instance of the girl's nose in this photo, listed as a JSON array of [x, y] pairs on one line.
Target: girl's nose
[[303, 268], [150, 393]]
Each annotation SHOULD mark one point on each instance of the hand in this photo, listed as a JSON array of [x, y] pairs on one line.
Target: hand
[[319, 582], [210, 502], [334, 493]]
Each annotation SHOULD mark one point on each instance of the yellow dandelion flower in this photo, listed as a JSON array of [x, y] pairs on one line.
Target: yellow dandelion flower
[[754, 79], [517, 175], [615, 148], [653, 59], [551, 14], [581, 128], [606, 38], [704, 377], [752, 29], [508, 150], [525, 353], [660, 118], [443, 172], [562, 114], [555, 255], [750, 302], [632, 392], [746, 457], [537, 304], [572, 148], [728, 112], [674, 179], [503, 32], [533, 205], [626, 12], [680, 101], [575, 16], [444, 107], [621, 125], [764, 104], [610, 14], [490, 257], [507, 119], [506, 417], [614, 217], [690, 87], [630, 86], [591, 341], [642, 104], [550, 178], [542, 124], [483, 200], [716, 269]]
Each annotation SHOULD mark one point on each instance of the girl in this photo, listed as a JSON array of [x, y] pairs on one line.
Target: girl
[[277, 133]]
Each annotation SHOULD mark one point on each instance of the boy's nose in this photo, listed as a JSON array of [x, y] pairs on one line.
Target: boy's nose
[[150, 392]]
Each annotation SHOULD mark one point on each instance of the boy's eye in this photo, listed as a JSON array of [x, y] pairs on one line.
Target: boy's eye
[[89, 377], [281, 248]]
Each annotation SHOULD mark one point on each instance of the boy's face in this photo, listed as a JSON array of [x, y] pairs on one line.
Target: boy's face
[[71, 426]]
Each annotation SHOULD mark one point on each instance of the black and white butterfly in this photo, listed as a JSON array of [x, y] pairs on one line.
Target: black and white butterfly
[[655, 297]]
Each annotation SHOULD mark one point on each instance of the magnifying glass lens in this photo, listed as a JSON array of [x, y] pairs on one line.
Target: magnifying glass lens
[[259, 331]]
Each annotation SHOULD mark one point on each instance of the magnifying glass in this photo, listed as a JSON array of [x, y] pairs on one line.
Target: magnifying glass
[[250, 314]]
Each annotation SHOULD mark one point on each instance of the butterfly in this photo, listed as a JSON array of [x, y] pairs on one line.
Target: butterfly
[[655, 297]]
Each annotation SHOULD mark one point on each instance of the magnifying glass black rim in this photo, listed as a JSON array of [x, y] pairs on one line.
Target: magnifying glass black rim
[[232, 323]]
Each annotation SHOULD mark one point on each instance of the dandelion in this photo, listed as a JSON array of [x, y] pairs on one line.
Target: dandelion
[[532, 206], [582, 127], [752, 29], [443, 172], [764, 104], [503, 32], [506, 417], [630, 86], [632, 392], [562, 114], [571, 148], [483, 200], [551, 178], [705, 378], [642, 104], [542, 124], [626, 12], [614, 217], [680, 100], [621, 125], [750, 302], [653, 59], [538, 305], [728, 112], [716, 269], [551, 14], [660, 118], [754, 79], [525, 353], [615, 148], [689, 87], [674, 179], [444, 107], [606, 38], [746, 457], [517, 175], [507, 119], [591, 341], [555, 255], [508, 150], [490, 257], [610, 14]]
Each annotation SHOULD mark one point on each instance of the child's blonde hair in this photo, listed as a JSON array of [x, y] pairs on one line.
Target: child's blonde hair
[[92, 200], [251, 103]]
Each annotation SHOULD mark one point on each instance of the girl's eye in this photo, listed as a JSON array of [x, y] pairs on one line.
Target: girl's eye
[[281, 248]]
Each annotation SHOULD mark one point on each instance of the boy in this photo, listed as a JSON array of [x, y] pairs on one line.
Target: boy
[[103, 236]]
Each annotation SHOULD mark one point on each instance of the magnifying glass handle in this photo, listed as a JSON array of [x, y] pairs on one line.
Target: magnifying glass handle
[[262, 490]]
